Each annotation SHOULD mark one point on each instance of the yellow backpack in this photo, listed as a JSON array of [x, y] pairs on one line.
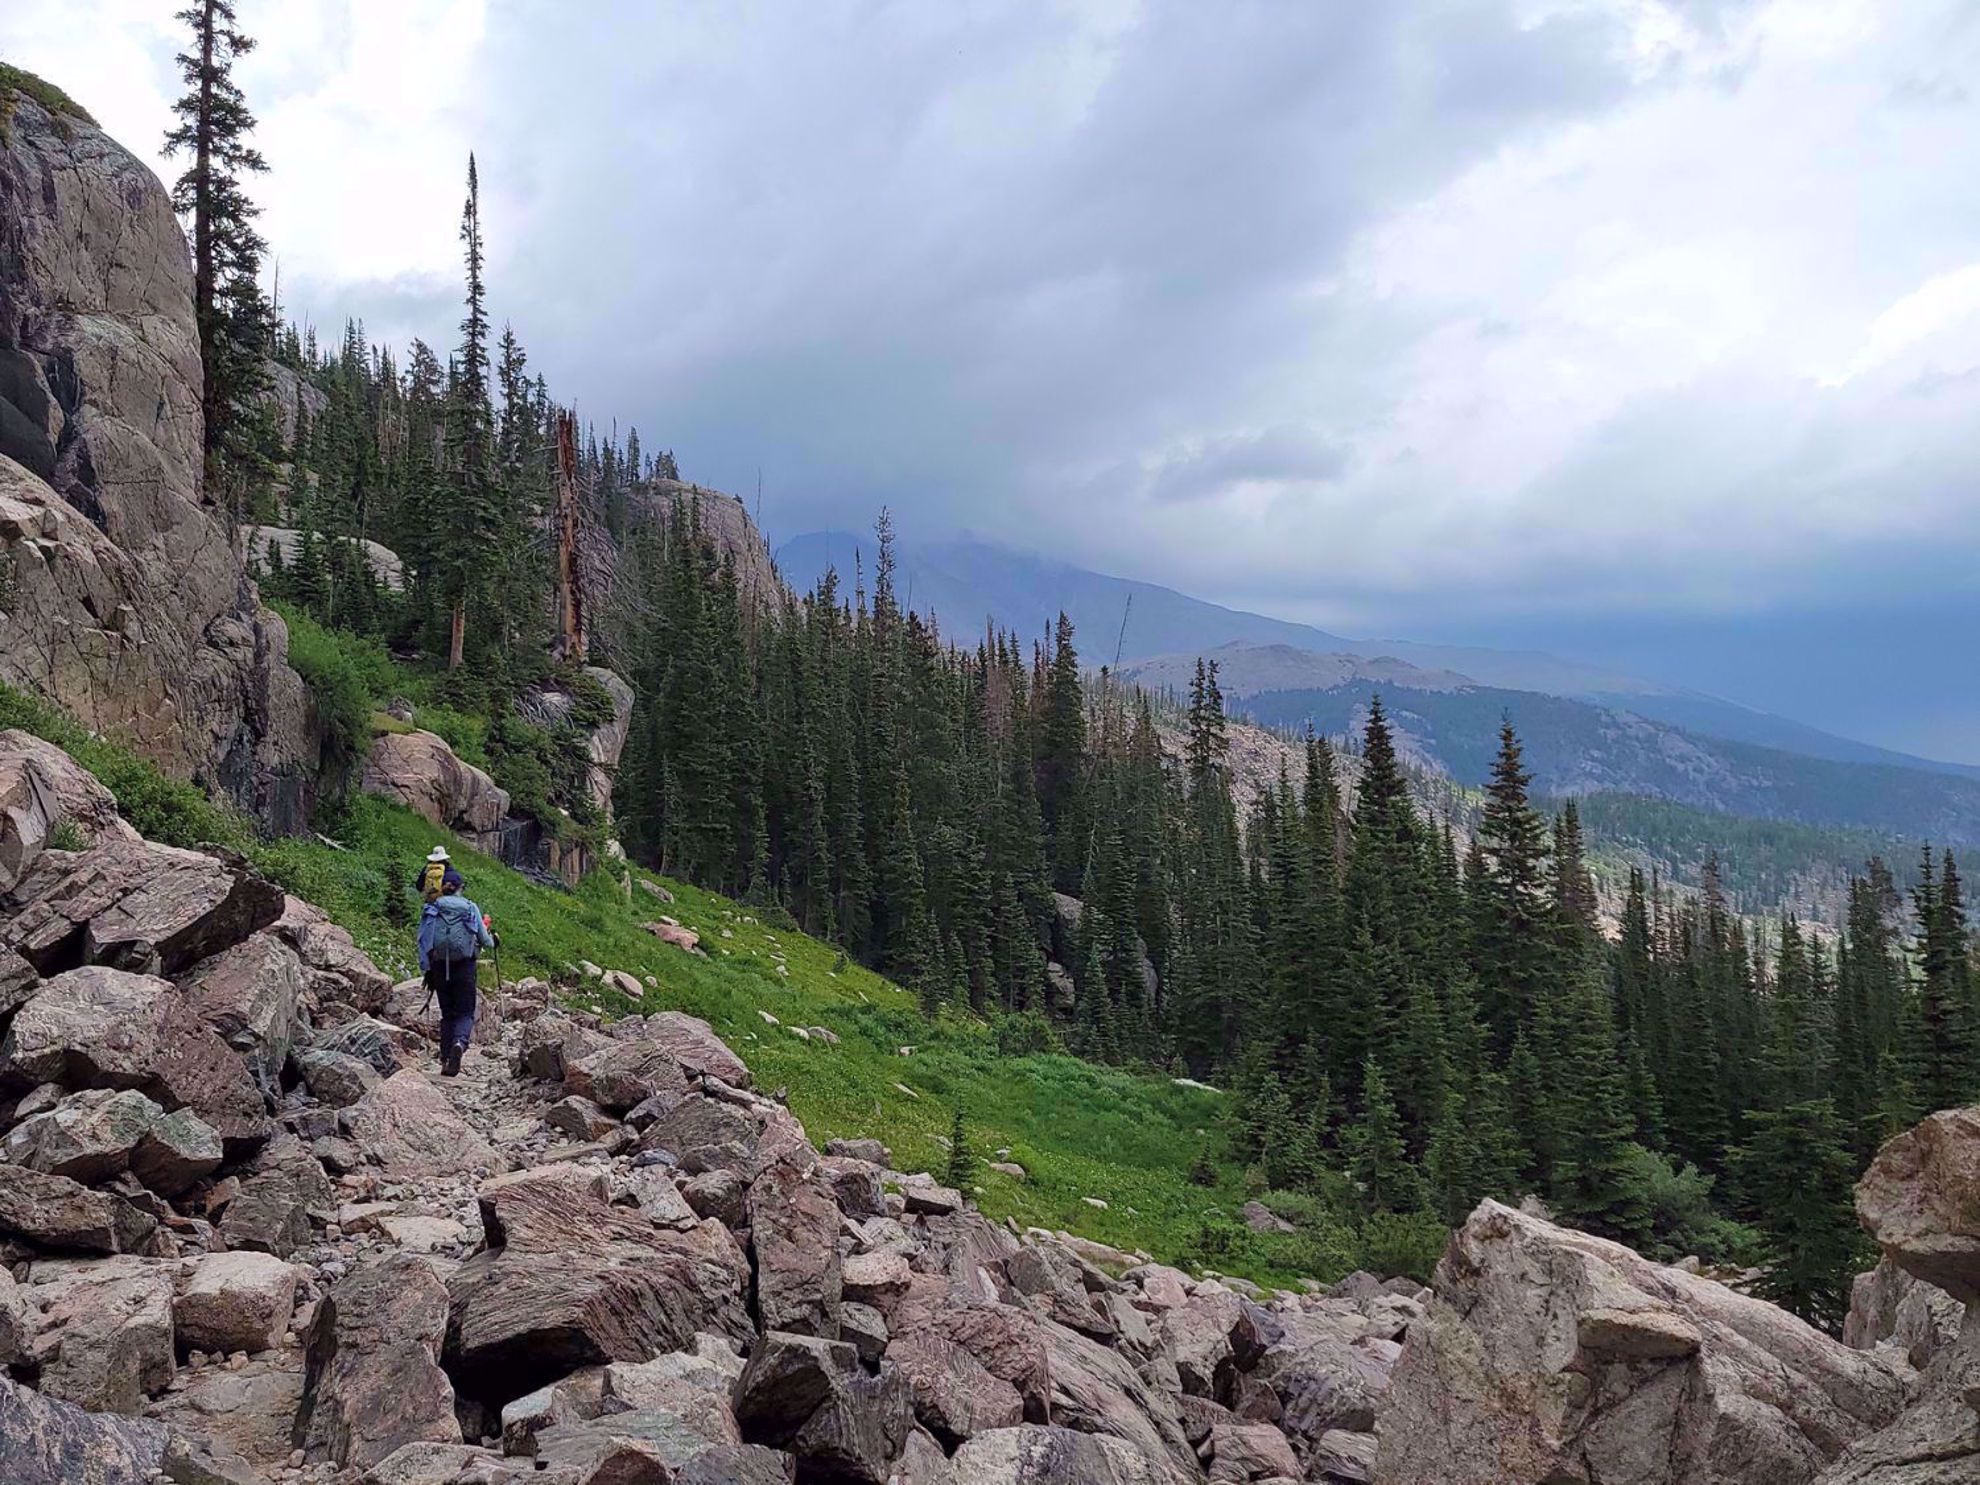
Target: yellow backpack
[[430, 877]]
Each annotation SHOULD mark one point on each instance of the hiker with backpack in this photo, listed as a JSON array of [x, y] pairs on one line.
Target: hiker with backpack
[[435, 873], [452, 934]]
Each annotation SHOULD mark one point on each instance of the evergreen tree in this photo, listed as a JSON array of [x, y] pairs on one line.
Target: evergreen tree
[[1389, 1181], [961, 1172], [1798, 1175], [466, 537], [233, 319]]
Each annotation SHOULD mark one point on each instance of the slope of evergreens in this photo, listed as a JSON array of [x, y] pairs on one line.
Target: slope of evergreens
[[1137, 1141]]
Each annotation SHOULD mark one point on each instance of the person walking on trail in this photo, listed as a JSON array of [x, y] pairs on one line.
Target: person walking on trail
[[452, 935], [435, 873]]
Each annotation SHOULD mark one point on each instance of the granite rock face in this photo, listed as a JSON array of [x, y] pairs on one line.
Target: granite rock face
[[1548, 1354], [128, 603]]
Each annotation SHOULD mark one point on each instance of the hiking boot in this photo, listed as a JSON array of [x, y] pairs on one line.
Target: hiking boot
[[450, 1063]]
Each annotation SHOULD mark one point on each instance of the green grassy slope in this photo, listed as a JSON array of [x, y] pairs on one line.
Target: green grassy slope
[[1079, 1130]]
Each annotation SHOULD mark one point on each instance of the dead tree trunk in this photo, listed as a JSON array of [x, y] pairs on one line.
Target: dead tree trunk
[[571, 640]]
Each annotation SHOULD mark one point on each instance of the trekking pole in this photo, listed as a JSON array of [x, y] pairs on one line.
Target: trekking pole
[[495, 948]]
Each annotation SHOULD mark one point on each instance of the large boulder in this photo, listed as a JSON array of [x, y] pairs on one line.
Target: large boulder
[[623, 1074], [811, 1397], [335, 969], [140, 906], [1096, 1390], [57, 1213], [548, 705], [1920, 1199], [127, 601], [89, 1137], [954, 1396], [44, 1441], [374, 1381], [419, 770], [695, 1046], [568, 1280], [408, 1130], [1034, 1455], [107, 1028], [794, 1229], [236, 1302], [1548, 1354], [250, 995], [104, 1334], [1888, 1304], [41, 789]]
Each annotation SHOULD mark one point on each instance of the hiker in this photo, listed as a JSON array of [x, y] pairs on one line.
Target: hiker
[[451, 937], [435, 874]]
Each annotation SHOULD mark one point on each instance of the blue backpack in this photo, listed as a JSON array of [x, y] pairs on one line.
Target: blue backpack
[[456, 929]]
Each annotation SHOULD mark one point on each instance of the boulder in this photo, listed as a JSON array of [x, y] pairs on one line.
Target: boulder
[[250, 995], [135, 905], [870, 1151], [335, 970], [270, 1214], [1035, 1455], [855, 1185], [673, 933], [703, 1134], [88, 1137], [41, 789], [794, 1227], [176, 1151], [334, 1078], [1261, 1218], [719, 1195], [878, 1279], [248, 1408], [551, 1043], [419, 770], [1198, 1335], [55, 1212], [1238, 1452], [107, 1028], [409, 1131], [1550, 1354], [1327, 1371], [44, 1441], [1341, 1456], [373, 1380], [693, 1043], [652, 1190], [811, 1397], [104, 1336], [235, 1302], [1920, 1200], [1096, 1390], [954, 1396], [932, 1200], [381, 1046], [865, 1330], [568, 1281], [623, 1074], [579, 1120], [1888, 1304]]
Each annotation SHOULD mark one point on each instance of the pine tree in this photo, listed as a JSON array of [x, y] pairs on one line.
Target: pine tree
[[1798, 1175], [1381, 1164], [961, 1173], [467, 536], [214, 123], [1514, 958]]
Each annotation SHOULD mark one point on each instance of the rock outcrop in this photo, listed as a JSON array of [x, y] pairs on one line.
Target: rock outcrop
[[1918, 1200], [419, 770], [1550, 1355], [122, 595]]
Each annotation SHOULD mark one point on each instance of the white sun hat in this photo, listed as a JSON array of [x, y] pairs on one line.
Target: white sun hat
[[438, 853]]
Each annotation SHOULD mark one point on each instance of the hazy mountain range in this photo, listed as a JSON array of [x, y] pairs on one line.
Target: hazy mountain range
[[1586, 728]]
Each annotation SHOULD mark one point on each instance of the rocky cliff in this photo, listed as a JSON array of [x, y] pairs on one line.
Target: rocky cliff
[[122, 596]]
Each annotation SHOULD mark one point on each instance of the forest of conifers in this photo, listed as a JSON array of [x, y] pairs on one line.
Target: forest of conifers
[[1408, 1016]]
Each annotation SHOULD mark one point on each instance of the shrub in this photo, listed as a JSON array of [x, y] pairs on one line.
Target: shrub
[[1682, 1220], [1402, 1243], [339, 690]]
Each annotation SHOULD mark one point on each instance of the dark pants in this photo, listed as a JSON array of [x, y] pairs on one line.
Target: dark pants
[[453, 987]]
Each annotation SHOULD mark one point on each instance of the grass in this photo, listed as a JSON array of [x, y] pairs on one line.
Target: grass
[[1079, 1130], [58, 103]]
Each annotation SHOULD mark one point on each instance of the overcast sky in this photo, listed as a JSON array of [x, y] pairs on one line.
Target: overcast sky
[[1646, 331]]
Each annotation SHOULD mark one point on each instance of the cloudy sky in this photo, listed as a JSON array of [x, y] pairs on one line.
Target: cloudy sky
[[1647, 331]]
